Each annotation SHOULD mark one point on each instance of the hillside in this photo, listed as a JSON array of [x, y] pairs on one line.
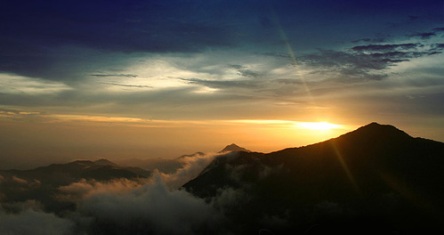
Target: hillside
[[376, 178]]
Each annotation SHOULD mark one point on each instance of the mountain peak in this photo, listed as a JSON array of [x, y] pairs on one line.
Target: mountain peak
[[381, 128], [378, 125], [376, 132], [233, 148]]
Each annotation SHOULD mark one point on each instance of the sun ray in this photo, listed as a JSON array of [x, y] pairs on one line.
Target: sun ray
[[318, 126], [292, 55], [345, 167]]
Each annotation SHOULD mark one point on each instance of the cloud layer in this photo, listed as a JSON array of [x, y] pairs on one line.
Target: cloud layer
[[31, 221], [119, 206]]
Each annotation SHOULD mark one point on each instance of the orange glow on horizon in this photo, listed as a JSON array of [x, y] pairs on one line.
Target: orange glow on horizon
[[318, 126], [71, 136]]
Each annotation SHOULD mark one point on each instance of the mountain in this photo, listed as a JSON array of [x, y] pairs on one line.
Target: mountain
[[42, 183], [233, 148], [376, 180]]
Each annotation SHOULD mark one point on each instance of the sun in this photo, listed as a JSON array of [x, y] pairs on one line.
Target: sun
[[318, 126]]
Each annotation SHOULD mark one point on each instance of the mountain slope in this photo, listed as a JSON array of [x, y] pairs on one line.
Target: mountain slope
[[377, 176]]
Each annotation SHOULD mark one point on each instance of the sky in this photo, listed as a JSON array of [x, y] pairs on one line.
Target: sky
[[155, 79]]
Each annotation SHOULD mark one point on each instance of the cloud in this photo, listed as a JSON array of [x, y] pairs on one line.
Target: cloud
[[386, 47], [439, 46], [368, 40], [19, 180], [245, 72], [13, 84], [158, 206], [228, 198], [423, 35], [154, 206], [15, 187], [88, 188], [114, 75], [191, 168], [367, 61], [126, 85], [345, 65], [439, 29], [122, 206], [150, 31], [30, 221], [41, 50], [223, 84]]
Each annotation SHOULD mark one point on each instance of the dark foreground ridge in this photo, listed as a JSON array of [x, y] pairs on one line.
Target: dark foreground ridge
[[374, 180]]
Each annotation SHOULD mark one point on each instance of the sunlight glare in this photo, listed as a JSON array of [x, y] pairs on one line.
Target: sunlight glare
[[318, 126]]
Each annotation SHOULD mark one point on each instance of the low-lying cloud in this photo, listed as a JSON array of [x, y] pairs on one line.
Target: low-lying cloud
[[150, 208], [156, 205], [192, 167], [32, 221]]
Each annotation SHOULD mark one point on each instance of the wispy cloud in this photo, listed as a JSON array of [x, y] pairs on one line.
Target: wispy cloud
[[126, 85], [386, 47], [114, 75], [13, 84], [238, 83]]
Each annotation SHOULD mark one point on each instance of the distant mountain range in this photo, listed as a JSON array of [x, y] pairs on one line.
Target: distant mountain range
[[170, 165], [376, 179]]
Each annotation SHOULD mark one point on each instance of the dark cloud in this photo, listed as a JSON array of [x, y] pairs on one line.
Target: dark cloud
[[248, 73], [414, 18], [223, 84], [424, 35], [126, 85], [386, 47], [33, 34], [277, 55], [64, 63], [114, 75], [348, 65], [245, 72], [439, 29], [30, 221], [439, 45], [135, 26], [368, 61], [369, 40]]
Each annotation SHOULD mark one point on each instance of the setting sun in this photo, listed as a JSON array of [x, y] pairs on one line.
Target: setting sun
[[318, 126]]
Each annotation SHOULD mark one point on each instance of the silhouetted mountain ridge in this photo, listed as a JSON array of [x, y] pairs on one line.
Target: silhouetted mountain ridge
[[376, 176]]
